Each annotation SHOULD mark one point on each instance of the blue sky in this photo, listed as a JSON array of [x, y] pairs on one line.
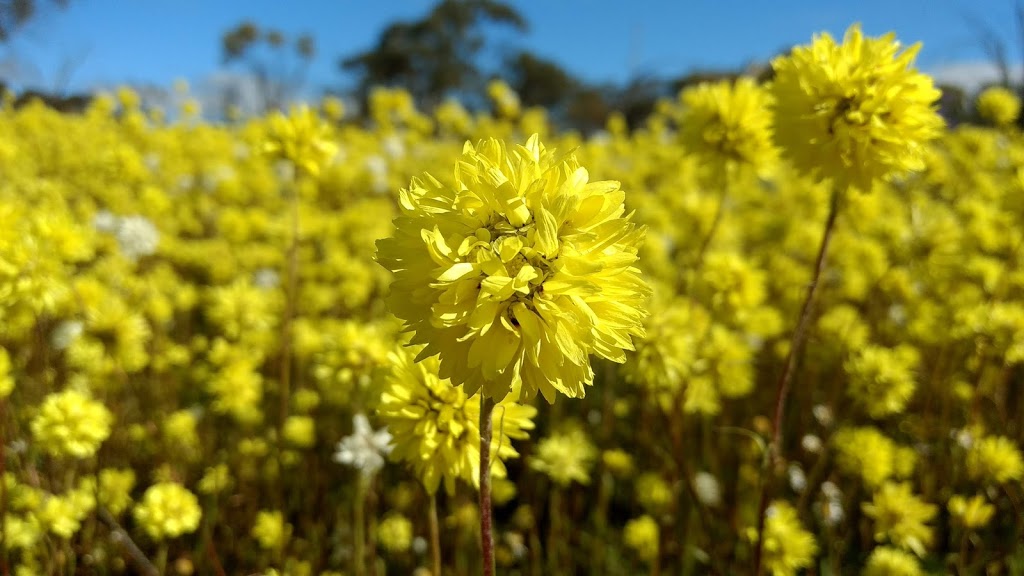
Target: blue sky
[[105, 42]]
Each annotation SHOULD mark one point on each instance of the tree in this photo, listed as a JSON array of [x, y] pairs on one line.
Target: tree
[[278, 65], [435, 56], [540, 82], [16, 13]]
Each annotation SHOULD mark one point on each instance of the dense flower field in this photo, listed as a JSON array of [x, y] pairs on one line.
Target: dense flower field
[[201, 372]]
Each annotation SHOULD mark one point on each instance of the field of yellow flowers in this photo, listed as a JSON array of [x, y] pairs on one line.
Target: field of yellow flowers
[[778, 329]]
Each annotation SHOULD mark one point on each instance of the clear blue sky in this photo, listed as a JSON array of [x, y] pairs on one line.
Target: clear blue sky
[[104, 42]]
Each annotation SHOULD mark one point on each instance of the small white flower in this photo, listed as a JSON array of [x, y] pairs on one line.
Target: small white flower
[[266, 278], [797, 478], [811, 443], [65, 333], [419, 545], [365, 448], [964, 438], [831, 491], [706, 486], [137, 237], [823, 414], [833, 512], [104, 221], [393, 146]]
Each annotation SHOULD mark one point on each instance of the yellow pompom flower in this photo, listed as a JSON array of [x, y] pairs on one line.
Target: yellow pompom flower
[[885, 561], [168, 510], [300, 431], [642, 535], [302, 138], [972, 513], [395, 534], [854, 112], [867, 453], [999, 105], [70, 423], [270, 530], [115, 489], [882, 380], [518, 272], [565, 457], [435, 426], [787, 546], [728, 125], [901, 517], [995, 459]]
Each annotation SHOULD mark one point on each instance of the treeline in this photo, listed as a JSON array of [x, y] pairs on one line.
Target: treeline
[[437, 57]]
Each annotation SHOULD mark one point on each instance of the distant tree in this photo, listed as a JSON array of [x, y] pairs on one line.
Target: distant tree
[[277, 64], [16, 13], [435, 56], [540, 82], [589, 108], [953, 105]]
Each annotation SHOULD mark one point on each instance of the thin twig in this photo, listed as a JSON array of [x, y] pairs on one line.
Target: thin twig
[[131, 551], [782, 391]]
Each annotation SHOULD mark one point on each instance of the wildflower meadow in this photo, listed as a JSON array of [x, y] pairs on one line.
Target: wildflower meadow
[[777, 328]]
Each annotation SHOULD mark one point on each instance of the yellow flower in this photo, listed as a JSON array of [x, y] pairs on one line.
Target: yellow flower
[[995, 459], [270, 529], [565, 457], [973, 513], [885, 561], [300, 431], [116, 489], [168, 510], [435, 426], [999, 106], [869, 454], [642, 535], [302, 138], [70, 423], [882, 379], [394, 534], [787, 546], [900, 517], [728, 125], [854, 112], [517, 273], [6, 378]]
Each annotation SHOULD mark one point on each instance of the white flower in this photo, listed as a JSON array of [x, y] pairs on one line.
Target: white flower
[[811, 443], [137, 237], [797, 478], [823, 414], [104, 221], [706, 486], [393, 146], [65, 333], [365, 449], [266, 278]]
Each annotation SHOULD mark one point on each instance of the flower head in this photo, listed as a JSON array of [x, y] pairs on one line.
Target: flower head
[[642, 535], [995, 459], [856, 111], [302, 138], [728, 125], [436, 426], [71, 423], [901, 517], [787, 546], [886, 561], [518, 272], [168, 510], [999, 105], [565, 457], [365, 448]]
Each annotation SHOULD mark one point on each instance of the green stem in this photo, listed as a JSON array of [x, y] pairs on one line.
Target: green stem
[[359, 528], [161, 559]]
